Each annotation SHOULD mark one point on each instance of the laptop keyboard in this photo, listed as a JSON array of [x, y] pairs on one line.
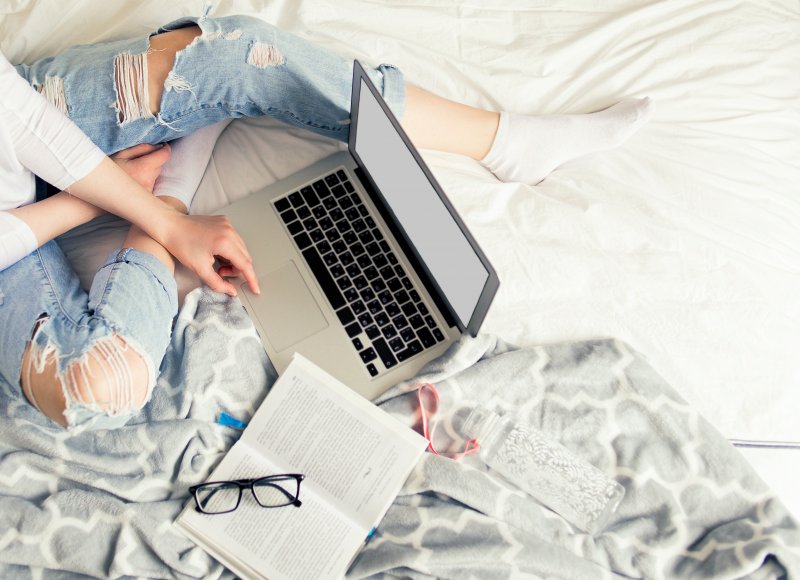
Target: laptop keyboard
[[376, 302]]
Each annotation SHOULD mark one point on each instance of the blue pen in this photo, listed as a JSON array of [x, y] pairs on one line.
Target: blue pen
[[228, 421]]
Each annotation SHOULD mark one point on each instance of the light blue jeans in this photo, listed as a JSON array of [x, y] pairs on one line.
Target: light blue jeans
[[239, 66]]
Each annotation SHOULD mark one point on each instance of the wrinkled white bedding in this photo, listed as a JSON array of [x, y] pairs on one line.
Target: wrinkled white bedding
[[684, 242]]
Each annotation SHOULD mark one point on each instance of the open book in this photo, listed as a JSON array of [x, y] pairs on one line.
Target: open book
[[355, 458]]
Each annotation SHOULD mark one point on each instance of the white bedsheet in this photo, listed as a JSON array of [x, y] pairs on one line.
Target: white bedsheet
[[683, 242]]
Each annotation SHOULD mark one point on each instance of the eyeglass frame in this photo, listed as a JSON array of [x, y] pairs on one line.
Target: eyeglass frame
[[249, 484]]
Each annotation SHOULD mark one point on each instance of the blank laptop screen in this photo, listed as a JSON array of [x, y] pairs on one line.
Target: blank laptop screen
[[419, 209]]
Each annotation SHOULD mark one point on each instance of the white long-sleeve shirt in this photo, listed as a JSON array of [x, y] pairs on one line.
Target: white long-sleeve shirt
[[35, 138]]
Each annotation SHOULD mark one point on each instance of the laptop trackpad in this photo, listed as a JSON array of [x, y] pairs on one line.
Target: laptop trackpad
[[286, 310]]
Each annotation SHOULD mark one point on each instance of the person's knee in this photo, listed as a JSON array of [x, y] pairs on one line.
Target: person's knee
[[102, 388]]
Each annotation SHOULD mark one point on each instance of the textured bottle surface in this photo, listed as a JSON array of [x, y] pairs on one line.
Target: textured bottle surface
[[567, 484]]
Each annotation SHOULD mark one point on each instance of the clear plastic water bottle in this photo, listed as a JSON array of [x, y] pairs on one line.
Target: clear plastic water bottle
[[570, 486]]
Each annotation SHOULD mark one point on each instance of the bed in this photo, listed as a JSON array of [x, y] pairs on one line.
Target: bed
[[683, 243]]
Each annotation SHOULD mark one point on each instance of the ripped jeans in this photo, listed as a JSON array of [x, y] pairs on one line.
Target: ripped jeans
[[239, 66]]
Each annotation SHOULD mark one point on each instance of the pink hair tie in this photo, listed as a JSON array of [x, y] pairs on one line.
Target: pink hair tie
[[470, 447]]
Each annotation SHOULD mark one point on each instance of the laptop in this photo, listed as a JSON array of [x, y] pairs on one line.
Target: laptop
[[365, 267]]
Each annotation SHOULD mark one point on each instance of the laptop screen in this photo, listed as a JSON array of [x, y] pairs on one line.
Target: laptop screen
[[408, 193]]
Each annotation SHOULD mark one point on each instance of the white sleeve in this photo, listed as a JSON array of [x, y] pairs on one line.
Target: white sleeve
[[17, 240], [45, 141], [188, 160]]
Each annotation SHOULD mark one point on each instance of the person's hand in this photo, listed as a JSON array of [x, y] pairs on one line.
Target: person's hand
[[197, 241], [143, 162]]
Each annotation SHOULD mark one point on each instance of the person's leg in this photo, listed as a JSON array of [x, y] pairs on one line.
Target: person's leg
[[196, 72], [85, 361]]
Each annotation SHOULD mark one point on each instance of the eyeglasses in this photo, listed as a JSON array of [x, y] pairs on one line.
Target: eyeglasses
[[272, 491]]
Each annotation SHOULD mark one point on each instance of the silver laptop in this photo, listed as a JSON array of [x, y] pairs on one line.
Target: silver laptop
[[365, 267]]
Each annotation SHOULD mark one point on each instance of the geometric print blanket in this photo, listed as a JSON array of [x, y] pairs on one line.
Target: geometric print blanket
[[101, 504]]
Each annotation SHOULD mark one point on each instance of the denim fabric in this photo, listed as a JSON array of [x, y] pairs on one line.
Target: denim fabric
[[133, 296], [239, 66], [214, 78]]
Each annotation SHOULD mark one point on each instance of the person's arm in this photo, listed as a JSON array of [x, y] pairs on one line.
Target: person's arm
[[51, 146]]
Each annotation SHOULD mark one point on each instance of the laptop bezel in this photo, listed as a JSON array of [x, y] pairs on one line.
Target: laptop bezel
[[492, 282]]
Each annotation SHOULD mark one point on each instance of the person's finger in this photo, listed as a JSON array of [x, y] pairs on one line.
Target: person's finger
[[156, 158], [242, 261], [216, 282], [228, 271]]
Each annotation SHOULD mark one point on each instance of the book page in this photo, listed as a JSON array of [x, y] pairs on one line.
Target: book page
[[354, 455], [310, 541]]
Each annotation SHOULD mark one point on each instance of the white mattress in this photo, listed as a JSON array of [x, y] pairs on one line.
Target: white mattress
[[683, 242]]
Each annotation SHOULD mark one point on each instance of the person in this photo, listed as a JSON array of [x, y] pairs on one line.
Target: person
[[89, 360]]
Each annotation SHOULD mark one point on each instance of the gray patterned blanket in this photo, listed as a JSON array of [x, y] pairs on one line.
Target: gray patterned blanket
[[101, 504]]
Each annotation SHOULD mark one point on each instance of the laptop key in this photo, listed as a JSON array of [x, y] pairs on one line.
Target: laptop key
[[345, 203], [360, 282], [295, 227], [392, 258], [368, 355], [321, 189], [330, 258], [389, 331], [349, 186], [393, 284], [310, 196], [374, 307], [399, 270], [282, 204], [341, 175], [344, 283], [367, 294], [373, 249], [343, 226], [426, 337], [332, 235], [324, 278], [326, 223], [338, 191], [364, 261], [319, 212], [380, 261], [408, 285], [414, 347], [400, 321], [392, 310], [346, 258], [409, 309], [359, 225], [363, 210], [372, 332], [381, 319], [437, 334], [336, 214], [331, 180], [316, 235], [385, 246], [352, 330], [396, 344], [402, 297], [310, 223], [358, 344], [369, 221], [352, 214], [324, 247], [350, 237], [430, 321], [302, 240], [416, 321], [372, 369], [296, 199], [288, 216], [365, 320], [387, 358], [371, 273], [366, 237], [351, 295], [329, 203], [415, 296], [337, 271], [357, 249], [339, 247], [358, 307], [345, 315], [353, 270], [407, 334], [378, 285], [385, 297], [303, 212]]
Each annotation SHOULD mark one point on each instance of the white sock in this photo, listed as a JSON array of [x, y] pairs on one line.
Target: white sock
[[527, 148]]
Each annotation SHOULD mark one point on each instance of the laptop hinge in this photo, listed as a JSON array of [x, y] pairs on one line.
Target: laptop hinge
[[411, 255]]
